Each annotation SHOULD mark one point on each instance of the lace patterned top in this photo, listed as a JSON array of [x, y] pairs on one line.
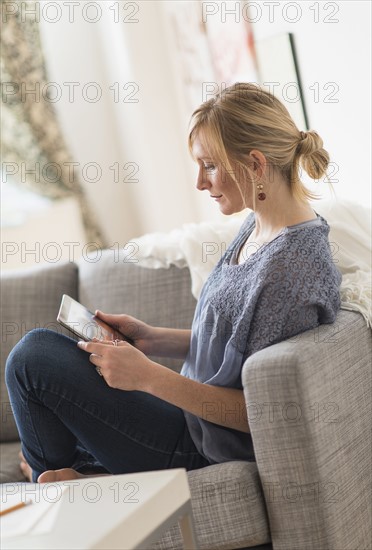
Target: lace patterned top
[[289, 285]]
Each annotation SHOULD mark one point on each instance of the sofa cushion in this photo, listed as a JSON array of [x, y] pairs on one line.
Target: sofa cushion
[[228, 508], [10, 472], [30, 298], [161, 297]]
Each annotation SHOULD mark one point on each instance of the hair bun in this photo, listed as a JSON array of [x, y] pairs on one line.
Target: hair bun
[[310, 143], [313, 157]]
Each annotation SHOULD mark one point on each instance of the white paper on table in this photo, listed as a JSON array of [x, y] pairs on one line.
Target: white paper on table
[[36, 518]]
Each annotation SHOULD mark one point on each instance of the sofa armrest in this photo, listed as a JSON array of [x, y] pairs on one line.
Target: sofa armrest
[[30, 298], [309, 409]]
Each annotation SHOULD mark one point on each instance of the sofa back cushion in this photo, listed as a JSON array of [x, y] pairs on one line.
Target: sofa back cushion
[[30, 298], [160, 297]]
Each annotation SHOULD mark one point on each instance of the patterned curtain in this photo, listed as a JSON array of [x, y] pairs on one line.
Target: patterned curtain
[[33, 148]]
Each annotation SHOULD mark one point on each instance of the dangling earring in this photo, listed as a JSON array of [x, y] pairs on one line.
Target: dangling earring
[[261, 196]]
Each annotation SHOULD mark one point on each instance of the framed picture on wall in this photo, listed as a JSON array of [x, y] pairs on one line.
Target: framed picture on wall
[[213, 52], [279, 72]]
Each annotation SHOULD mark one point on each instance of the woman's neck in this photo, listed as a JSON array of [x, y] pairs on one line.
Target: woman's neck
[[279, 210]]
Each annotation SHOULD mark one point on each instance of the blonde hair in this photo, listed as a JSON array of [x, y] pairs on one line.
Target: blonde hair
[[244, 117]]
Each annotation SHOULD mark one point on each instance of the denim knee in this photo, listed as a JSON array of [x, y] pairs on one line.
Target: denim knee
[[27, 352]]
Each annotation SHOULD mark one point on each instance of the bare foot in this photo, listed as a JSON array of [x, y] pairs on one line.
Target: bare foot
[[49, 475], [64, 474], [25, 467]]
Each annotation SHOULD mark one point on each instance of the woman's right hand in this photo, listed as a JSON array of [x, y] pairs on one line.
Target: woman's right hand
[[142, 334]]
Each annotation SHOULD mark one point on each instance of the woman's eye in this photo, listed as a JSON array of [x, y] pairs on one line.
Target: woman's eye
[[209, 167]]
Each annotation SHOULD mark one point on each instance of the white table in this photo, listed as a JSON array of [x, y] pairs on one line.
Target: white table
[[105, 512]]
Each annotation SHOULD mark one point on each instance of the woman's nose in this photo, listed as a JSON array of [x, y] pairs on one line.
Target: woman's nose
[[202, 181]]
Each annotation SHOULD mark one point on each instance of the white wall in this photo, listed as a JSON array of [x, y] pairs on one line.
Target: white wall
[[153, 132], [150, 133], [334, 56]]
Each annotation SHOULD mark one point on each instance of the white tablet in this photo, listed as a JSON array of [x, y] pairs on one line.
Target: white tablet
[[83, 323]]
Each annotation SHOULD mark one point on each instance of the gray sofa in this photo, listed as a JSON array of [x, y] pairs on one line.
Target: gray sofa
[[309, 403]]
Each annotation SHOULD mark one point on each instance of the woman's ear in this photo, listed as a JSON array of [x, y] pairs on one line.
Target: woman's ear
[[257, 161]]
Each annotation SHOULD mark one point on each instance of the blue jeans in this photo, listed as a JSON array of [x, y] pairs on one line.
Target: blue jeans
[[67, 416]]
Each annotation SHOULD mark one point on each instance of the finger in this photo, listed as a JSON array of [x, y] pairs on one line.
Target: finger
[[101, 341], [103, 315], [121, 344], [109, 318], [115, 343], [92, 347], [99, 313], [96, 360]]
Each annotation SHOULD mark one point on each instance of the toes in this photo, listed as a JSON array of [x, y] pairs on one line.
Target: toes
[[64, 474], [47, 477]]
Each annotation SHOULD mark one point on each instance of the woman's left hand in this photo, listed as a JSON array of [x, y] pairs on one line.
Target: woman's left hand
[[122, 366]]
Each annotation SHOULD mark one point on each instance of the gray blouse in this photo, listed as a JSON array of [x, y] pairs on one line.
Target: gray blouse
[[286, 287]]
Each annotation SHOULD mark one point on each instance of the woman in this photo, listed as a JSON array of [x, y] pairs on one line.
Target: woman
[[276, 279]]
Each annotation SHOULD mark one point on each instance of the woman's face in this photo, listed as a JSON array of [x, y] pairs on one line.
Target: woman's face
[[221, 187]]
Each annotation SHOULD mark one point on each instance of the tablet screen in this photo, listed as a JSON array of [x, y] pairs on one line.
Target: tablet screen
[[83, 322]]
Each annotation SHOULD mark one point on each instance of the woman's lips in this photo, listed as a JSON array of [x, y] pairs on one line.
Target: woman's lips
[[216, 197]]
